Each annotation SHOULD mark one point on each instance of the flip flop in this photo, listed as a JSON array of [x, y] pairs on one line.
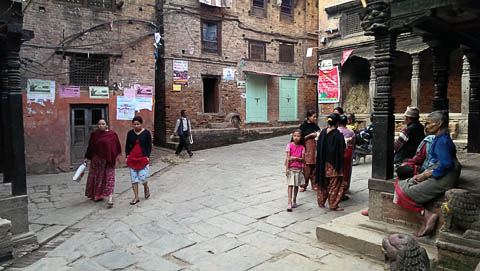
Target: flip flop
[[147, 192], [110, 203], [133, 202]]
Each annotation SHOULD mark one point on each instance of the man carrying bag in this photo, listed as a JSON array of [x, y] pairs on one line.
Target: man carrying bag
[[184, 130]]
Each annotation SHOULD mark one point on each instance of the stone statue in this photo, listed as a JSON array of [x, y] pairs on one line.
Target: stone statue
[[461, 213], [375, 17], [403, 253]]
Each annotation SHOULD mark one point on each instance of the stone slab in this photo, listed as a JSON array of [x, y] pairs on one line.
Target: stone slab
[[207, 249], [115, 260], [48, 233], [155, 264], [167, 244], [290, 262]]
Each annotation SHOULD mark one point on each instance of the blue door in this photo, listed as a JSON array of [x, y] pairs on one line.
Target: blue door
[[256, 107], [287, 99]]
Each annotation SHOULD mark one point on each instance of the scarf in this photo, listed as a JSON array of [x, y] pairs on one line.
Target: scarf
[[105, 144], [308, 128], [330, 148]]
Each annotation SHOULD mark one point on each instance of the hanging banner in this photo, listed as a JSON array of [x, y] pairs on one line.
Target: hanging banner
[[143, 91], [329, 86], [346, 55], [69, 92], [180, 72], [125, 108], [40, 90], [99, 92]]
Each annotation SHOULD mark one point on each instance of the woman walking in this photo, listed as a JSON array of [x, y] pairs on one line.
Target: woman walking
[[103, 149], [138, 148], [309, 130], [330, 165]]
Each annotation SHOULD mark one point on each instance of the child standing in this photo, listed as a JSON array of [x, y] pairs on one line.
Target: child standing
[[294, 167]]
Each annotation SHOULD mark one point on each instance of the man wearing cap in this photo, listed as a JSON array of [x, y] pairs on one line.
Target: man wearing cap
[[410, 137]]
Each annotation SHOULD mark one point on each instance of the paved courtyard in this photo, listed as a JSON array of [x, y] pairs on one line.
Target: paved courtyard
[[222, 209]]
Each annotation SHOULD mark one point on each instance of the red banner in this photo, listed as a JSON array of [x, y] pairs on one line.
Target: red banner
[[328, 86], [345, 56]]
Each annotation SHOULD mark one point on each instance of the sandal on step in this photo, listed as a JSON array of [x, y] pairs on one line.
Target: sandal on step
[[133, 202]]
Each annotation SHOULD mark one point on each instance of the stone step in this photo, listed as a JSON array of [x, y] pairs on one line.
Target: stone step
[[219, 125], [357, 233], [5, 190]]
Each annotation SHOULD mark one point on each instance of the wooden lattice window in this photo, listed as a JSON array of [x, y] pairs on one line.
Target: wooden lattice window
[[286, 11], [90, 70], [107, 4], [257, 50], [211, 37], [286, 52], [350, 24]]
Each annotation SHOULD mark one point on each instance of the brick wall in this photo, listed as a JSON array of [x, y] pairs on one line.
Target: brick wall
[[127, 39]]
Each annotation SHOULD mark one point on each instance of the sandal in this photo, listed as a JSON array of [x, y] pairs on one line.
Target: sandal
[[133, 202], [289, 208], [110, 203], [337, 209], [302, 189], [147, 192]]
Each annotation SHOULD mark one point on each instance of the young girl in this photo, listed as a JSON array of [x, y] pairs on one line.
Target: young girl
[[294, 167]]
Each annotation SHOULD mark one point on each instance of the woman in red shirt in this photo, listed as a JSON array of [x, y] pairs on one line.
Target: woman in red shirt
[[138, 149]]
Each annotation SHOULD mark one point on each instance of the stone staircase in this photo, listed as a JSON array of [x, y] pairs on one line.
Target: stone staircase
[[6, 243]]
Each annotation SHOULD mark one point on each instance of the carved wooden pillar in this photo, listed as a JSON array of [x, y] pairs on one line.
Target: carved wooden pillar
[[474, 104], [5, 163], [440, 63], [415, 81], [465, 85], [372, 86], [376, 22]]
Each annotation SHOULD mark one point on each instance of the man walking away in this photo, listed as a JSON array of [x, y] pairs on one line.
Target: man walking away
[[183, 130]]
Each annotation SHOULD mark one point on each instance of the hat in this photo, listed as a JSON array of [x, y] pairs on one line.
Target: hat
[[412, 112]]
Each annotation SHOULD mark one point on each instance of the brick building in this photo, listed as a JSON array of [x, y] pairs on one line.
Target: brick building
[[413, 82], [102, 43], [261, 44]]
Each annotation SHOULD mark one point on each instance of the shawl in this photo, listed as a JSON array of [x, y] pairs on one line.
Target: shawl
[[308, 128], [330, 148], [104, 144]]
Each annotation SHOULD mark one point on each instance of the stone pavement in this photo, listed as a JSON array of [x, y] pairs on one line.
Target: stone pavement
[[223, 209]]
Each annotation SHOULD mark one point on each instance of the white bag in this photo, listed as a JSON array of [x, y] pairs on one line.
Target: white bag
[[190, 138], [79, 173]]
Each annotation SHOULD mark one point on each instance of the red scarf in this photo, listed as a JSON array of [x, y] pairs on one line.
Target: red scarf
[[105, 144]]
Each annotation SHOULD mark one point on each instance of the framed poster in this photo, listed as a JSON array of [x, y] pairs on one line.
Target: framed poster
[[329, 86], [99, 92]]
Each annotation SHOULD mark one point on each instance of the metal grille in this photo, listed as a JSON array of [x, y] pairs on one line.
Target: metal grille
[[97, 114], [100, 3], [257, 50], [85, 71], [79, 117], [350, 24], [286, 53]]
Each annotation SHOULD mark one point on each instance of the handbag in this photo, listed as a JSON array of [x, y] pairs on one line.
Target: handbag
[[190, 138], [79, 173]]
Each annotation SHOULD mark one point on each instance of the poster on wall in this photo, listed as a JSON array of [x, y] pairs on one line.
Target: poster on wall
[[129, 92], [125, 108], [228, 74], [38, 89], [143, 91], [99, 92], [143, 103], [69, 92], [180, 72], [328, 86]]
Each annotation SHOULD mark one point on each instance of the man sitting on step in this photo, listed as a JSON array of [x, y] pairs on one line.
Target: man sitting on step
[[441, 174]]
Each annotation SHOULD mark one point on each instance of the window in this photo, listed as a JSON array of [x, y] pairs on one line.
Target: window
[[210, 95], [91, 3], [211, 37], [259, 8], [286, 52], [89, 71], [350, 24], [257, 50], [286, 11]]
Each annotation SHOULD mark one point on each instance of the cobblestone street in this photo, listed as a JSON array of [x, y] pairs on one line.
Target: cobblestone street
[[222, 209]]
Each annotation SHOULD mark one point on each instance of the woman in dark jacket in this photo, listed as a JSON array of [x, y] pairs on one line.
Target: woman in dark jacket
[[138, 149], [330, 165]]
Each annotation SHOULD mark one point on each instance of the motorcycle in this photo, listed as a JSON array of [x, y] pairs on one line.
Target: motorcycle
[[363, 144]]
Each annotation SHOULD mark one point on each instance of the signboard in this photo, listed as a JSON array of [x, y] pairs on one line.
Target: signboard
[[125, 108], [329, 86], [180, 72], [99, 92], [143, 91], [69, 92], [345, 55], [326, 64], [228, 74], [40, 89]]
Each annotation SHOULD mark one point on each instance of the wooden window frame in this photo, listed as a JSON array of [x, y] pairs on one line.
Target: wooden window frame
[[219, 37], [259, 11], [254, 42], [345, 27], [285, 16], [286, 44]]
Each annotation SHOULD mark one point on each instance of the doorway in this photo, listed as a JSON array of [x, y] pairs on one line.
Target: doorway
[[210, 95], [83, 120]]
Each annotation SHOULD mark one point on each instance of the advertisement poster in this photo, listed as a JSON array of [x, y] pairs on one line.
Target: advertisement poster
[[328, 86], [345, 55], [69, 92], [143, 91], [129, 92], [99, 92], [143, 103], [180, 72], [40, 89], [228, 74], [125, 108]]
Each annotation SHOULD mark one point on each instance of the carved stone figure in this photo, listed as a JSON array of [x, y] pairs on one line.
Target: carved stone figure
[[461, 213], [375, 17], [403, 253]]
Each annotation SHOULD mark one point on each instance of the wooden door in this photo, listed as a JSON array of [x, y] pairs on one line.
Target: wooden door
[[256, 104], [287, 99], [84, 119]]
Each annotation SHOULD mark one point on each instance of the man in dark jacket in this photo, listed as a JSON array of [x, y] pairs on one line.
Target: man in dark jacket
[[183, 129], [410, 137]]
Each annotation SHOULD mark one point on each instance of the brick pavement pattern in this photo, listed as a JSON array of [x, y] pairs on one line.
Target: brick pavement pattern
[[223, 209]]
